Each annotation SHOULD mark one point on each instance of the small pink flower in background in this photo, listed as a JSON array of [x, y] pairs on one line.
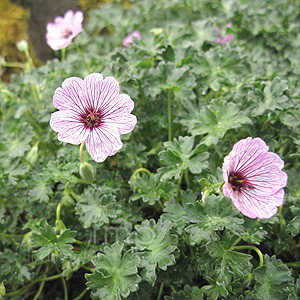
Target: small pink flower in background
[[64, 29], [129, 38], [227, 37], [253, 178], [92, 111]]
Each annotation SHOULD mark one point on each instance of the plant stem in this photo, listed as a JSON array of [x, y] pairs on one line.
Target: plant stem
[[58, 209], [186, 177], [208, 191], [14, 65], [6, 235], [81, 295], [260, 255], [80, 152], [63, 54], [39, 291], [160, 290], [65, 288], [33, 89], [82, 57], [41, 278], [170, 114], [179, 183], [141, 170]]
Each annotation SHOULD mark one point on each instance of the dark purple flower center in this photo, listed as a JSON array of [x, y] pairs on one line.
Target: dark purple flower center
[[66, 33], [92, 118], [238, 182]]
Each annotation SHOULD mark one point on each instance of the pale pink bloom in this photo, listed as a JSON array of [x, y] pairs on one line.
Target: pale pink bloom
[[128, 41], [93, 111], [253, 178], [227, 37], [64, 29]]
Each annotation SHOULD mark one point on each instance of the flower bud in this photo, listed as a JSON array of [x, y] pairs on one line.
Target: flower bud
[[22, 45], [60, 227], [87, 172]]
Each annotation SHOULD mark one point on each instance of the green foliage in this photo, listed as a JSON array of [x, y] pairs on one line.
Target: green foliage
[[96, 207], [115, 273], [157, 245], [178, 155], [50, 243], [273, 280]]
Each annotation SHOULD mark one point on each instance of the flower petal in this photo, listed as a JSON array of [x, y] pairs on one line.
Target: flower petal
[[69, 97], [102, 142], [253, 178], [108, 95], [91, 90], [254, 206], [125, 124], [70, 129]]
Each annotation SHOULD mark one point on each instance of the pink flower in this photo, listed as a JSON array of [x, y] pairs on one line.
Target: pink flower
[[93, 111], [64, 29], [129, 38], [227, 37], [253, 178]]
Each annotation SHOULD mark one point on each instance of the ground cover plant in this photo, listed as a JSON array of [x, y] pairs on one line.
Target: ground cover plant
[[157, 158]]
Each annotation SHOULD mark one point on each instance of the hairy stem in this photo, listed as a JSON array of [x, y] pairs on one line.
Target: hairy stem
[[82, 57], [81, 152], [260, 255]]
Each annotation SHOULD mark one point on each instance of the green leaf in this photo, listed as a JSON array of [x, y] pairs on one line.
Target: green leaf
[[19, 141], [177, 158], [50, 243], [41, 189], [150, 189], [237, 262], [216, 289], [273, 280], [214, 120], [157, 245], [188, 293], [273, 97], [115, 273], [96, 207], [217, 214], [175, 212]]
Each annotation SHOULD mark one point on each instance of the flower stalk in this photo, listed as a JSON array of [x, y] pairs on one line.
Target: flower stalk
[[82, 57], [260, 255]]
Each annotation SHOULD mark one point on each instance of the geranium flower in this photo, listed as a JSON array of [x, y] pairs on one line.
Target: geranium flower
[[128, 41], [253, 178], [227, 37], [93, 111], [64, 29]]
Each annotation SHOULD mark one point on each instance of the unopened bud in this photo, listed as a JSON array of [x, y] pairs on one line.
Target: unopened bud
[[157, 31], [87, 172], [60, 227], [22, 46]]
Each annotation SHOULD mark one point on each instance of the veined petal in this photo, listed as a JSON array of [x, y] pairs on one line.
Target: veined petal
[[125, 124], [122, 106], [108, 95], [69, 97], [70, 129], [102, 142], [253, 178], [254, 206], [92, 89]]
